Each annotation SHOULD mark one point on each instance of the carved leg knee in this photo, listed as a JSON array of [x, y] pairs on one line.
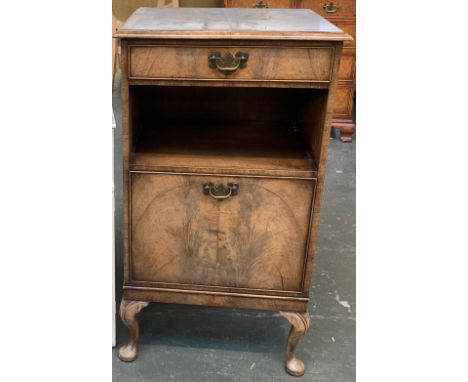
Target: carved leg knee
[[300, 323], [128, 313]]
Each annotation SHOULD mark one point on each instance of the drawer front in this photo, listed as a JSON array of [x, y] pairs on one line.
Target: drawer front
[[260, 3], [255, 238], [262, 63], [331, 9]]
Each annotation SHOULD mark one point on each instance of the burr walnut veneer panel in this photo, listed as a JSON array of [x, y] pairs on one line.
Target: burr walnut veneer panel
[[263, 64], [255, 239]]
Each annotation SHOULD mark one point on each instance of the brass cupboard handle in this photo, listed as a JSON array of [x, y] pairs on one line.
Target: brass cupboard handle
[[331, 7], [220, 191], [228, 63], [260, 4]]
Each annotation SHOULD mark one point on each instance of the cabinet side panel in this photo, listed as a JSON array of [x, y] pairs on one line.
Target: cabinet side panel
[[126, 147], [322, 135], [311, 115]]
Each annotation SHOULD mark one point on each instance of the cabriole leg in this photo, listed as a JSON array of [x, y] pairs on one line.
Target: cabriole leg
[[300, 323], [128, 313]]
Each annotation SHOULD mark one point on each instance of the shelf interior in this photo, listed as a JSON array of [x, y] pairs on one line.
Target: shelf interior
[[255, 146], [251, 131]]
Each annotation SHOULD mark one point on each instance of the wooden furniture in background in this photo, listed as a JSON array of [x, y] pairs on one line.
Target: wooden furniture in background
[[201, 3], [342, 13], [122, 9], [226, 120]]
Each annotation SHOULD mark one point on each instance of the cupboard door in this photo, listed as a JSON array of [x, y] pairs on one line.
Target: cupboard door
[[256, 238]]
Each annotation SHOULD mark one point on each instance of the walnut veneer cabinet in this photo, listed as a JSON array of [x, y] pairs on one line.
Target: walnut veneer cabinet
[[343, 14], [226, 117]]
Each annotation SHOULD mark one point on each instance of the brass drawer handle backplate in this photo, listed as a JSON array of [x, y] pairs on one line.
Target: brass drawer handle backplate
[[220, 191], [331, 7], [260, 4], [228, 63]]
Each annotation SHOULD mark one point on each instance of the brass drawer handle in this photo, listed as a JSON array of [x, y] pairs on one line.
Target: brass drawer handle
[[331, 7], [220, 191], [228, 63], [260, 4]]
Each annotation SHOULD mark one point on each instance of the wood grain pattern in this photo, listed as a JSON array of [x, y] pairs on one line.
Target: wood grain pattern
[[342, 8], [264, 64], [348, 26], [344, 104], [128, 313], [300, 323], [216, 23], [129, 126], [347, 66], [224, 148], [260, 109], [227, 130], [260, 3], [343, 118], [321, 132], [310, 118], [217, 299], [255, 239], [345, 8], [343, 17], [255, 248]]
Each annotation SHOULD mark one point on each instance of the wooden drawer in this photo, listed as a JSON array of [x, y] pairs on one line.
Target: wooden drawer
[[259, 3], [255, 239], [331, 9], [263, 63]]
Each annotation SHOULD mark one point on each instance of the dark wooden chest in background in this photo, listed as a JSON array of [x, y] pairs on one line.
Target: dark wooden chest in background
[[342, 13]]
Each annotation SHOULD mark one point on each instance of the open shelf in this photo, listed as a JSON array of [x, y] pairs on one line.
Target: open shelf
[[253, 147], [243, 131]]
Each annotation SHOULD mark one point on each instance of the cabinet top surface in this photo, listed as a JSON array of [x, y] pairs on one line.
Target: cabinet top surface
[[232, 23]]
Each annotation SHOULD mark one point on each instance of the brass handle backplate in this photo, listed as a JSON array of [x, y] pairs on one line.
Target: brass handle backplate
[[220, 191], [331, 7], [228, 63], [260, 4]]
